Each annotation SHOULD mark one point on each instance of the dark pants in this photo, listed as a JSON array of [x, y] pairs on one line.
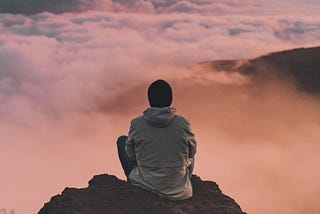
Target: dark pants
[[127, 164]]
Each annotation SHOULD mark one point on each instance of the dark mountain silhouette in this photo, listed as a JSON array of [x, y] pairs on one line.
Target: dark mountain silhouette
[[35, 6], [299, 65], [107, 194]]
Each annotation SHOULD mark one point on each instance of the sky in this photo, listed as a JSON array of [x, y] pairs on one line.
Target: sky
[[74, 74]]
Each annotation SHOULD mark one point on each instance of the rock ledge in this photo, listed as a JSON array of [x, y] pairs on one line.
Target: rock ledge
[[108, 194]]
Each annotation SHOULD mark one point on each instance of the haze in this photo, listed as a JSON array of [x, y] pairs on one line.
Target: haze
[[71, 79]]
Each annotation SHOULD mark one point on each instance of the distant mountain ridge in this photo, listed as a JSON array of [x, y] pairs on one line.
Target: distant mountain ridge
[[301, 65]]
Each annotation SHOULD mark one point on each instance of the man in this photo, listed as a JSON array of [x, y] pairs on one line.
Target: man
[[158, 154]]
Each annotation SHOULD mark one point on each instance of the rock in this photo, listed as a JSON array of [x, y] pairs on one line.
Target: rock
[[107, 194]]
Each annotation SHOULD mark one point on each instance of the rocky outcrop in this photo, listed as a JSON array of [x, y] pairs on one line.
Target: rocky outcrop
[[107, 194]]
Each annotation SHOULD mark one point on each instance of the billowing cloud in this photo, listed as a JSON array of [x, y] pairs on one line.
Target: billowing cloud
[[72, 61], [71, 82]]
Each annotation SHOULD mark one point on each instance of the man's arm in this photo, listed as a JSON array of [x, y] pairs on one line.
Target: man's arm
[[129, 147], [190, 140]]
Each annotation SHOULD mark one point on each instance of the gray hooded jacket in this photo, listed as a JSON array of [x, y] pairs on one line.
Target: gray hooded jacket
[[161, 142]]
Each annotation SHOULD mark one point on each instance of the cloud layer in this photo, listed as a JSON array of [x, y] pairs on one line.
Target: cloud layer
[[75, 62]]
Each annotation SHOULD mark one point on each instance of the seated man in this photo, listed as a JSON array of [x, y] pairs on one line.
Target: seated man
[[158, 154]]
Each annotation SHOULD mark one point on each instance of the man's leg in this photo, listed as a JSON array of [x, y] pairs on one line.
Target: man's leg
[[126, 163]]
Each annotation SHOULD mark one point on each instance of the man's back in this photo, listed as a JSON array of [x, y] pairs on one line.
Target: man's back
[[161, 143]]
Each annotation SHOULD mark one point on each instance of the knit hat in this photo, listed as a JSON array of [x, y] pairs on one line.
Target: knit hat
[[160, 94]]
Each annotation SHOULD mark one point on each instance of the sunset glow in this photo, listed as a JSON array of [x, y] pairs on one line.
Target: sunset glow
[[73, 75]]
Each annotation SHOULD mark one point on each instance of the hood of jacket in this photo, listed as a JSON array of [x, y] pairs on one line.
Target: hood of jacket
[[159, 117]]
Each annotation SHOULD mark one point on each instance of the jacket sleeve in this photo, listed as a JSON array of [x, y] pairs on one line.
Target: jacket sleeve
[[190, 140], [130, 146]]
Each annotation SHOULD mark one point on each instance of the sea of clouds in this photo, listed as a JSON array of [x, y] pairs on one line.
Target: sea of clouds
[[73, 74]]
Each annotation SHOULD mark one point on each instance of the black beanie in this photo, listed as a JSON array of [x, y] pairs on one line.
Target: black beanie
[[160, 94]]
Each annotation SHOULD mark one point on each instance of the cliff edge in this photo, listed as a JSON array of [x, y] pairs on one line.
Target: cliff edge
[[108, 194]]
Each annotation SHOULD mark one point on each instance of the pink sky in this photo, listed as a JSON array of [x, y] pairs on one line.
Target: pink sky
[[67, 83]]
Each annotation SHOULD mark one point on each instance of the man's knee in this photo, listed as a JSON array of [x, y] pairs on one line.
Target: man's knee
[[121, 140]]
